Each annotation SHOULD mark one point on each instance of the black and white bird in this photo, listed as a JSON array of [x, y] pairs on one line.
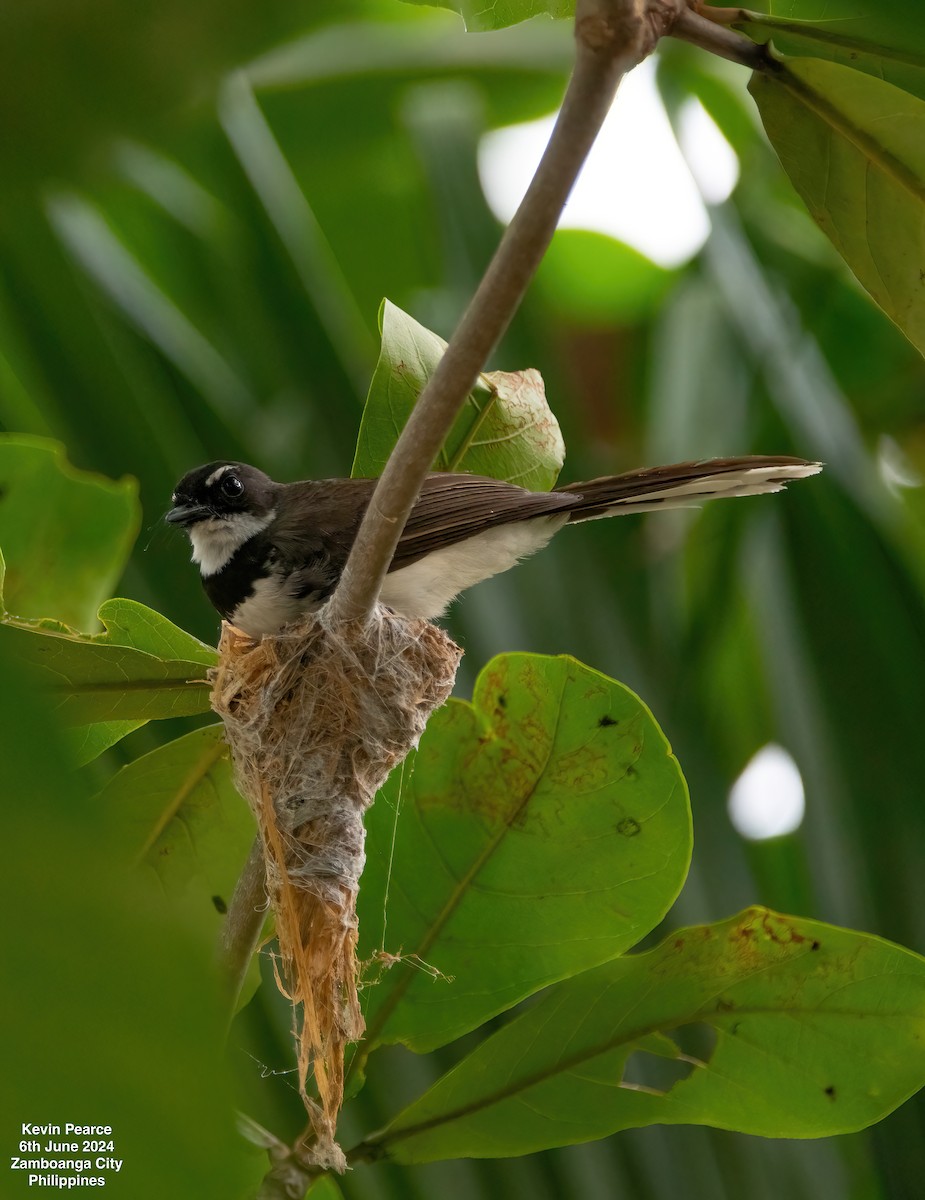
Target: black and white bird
[[268, 552]]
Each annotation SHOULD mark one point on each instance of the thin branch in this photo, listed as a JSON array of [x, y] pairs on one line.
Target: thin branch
[[612, 36], [719, 39], [243, 922], [723, 16]]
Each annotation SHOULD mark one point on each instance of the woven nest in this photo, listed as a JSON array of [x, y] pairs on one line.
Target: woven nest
[[317, 718]]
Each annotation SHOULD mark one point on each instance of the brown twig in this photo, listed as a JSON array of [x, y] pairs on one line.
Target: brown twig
[[719, 39]]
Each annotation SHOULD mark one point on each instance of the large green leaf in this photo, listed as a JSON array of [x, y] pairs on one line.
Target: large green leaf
[[66, 534], [483, 15], [142, 668], [854, 148], [544, 828], [505, 430], [176, 811], [129, 623], [818, 1030], [885, 39]]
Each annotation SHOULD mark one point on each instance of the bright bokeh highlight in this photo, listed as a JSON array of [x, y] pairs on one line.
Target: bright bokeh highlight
[[768, 799], [638, 185]]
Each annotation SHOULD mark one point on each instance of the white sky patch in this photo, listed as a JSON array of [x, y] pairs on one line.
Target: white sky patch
[[767, 800], [636, 185], [711, 160]]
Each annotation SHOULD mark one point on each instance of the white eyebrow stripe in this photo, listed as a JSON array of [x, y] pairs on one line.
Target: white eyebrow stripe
[[216, 475]]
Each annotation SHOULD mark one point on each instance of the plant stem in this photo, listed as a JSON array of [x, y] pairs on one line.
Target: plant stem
[[612, 36], [719, 39], [243, 922]]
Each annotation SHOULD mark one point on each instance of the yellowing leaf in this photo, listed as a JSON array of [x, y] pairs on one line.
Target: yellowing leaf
[[506, 429]]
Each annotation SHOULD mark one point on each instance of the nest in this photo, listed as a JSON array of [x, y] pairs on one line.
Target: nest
[[317, 717]]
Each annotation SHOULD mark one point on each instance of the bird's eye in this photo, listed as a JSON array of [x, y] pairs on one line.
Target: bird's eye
[[231, 486]]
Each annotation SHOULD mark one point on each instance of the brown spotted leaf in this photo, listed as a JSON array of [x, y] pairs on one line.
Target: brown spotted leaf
[[815, 1031], [542, 829]]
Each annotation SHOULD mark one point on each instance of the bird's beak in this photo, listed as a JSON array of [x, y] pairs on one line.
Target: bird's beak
[[188, 514]]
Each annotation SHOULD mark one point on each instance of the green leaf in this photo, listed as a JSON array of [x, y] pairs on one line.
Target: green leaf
[[87, 742], [119, 1019], [886, 39], [108, 677], [129, 623], [544, 828], [505, 430], [818, 1031], [66, 534], [483, 15], [854, 148], [176, 811]]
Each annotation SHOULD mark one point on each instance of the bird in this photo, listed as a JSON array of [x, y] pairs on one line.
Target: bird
[[269, 552]]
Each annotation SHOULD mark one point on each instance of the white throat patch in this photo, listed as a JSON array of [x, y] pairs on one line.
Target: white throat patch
[[216, 539]]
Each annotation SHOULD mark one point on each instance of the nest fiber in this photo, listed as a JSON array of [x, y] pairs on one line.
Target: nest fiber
[[317, 717]]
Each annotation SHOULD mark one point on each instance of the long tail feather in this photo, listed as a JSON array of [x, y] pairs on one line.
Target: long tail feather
[[685, 484]]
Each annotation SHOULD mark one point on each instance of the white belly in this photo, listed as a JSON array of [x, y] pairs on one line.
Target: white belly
[[427, 587], [424, 589], [267, 610]]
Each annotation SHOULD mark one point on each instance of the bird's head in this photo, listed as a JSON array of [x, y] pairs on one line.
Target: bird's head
[[221, 506]]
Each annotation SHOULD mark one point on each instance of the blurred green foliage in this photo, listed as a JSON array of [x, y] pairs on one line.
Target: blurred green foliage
[[189, 273], [176, 813], [66, 535], [112, 1015]]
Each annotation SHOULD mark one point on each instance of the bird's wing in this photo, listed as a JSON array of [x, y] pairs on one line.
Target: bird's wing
[[318, 526], [320, 520], [452, 508]]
